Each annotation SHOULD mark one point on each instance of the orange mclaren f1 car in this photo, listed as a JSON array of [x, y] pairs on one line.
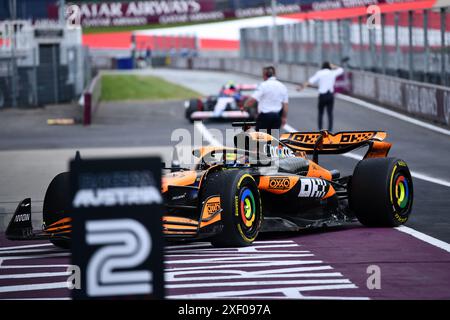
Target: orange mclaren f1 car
[[263, 183]]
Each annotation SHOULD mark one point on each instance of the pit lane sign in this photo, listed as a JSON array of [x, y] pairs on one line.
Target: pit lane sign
[[117, 232]]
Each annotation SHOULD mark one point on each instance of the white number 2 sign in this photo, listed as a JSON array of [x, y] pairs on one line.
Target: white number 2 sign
[[125, 244]]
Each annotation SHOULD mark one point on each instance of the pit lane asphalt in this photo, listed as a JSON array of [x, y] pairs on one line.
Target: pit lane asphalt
[[411, 267], [143, 124]]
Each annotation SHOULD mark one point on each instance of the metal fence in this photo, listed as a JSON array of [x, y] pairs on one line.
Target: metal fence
[[47, 75], [412, 44]]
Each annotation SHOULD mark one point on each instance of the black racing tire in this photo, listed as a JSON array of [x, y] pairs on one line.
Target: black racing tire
[[192, 107], [381, 192], [240, 201], [211, 102], [57, 204]]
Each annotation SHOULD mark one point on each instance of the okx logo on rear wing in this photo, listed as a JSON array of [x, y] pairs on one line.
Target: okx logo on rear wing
[[324, 142]]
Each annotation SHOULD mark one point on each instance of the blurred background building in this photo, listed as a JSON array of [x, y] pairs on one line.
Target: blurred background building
[[43, 60]]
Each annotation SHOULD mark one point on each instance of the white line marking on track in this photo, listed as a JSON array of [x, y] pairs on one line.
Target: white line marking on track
[[248, 265], [253, 276], [34, 287], [238, 257], [287, 292], [233, 254], [36, 266], [206, 134], [424, 237], [393, 114], [266, 272], [26, 246], [34, 275], [255, 283], [49, 255], [49, 250], [68, 298], [415, 174]]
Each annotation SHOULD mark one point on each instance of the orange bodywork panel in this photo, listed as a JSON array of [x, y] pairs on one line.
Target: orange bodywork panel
[[211, 211], [186, 221], [317, 171], [331, 192], [260, 136], [277, 185], [185, 178], [61, 226], [379, 149]]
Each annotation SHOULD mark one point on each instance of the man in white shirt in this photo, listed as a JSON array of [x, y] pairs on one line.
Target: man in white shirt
[[325, 80], [272, 98]]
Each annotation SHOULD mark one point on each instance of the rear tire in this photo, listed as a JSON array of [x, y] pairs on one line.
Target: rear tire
[[57, 204], [241, 215], [193, 106], [381, 192]]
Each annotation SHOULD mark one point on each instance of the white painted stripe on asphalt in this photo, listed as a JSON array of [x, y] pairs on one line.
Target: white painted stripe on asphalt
[[36, 266], [47, 250], [415, 174], [252, 264], [233, 254], [33, 287], [276, 241], [26, 246], [183, 271], [256, 245], [50, 255], [232, 259], [250, 276], [21, 299], [288, 292], [393, 114], [288, 128], [254, 283], [426, 238], [34, 275], [240, 252], [206, 134]]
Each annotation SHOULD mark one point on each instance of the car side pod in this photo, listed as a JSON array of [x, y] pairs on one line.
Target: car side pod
[[20, 227]]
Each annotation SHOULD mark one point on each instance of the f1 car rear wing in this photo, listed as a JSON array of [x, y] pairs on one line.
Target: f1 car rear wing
[[324, 142]]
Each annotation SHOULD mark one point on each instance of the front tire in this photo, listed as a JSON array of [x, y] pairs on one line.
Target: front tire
[[241, 214], [381, 192]]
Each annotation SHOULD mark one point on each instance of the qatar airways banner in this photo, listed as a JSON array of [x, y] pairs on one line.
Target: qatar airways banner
[[162, 12], [112, 13]]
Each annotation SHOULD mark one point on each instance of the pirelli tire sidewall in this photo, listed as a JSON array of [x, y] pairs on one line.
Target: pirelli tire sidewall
[[381, 192], [242, 214]]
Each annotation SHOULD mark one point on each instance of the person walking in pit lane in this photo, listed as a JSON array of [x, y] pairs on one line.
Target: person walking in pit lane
[[272, 98], [325, 79]]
